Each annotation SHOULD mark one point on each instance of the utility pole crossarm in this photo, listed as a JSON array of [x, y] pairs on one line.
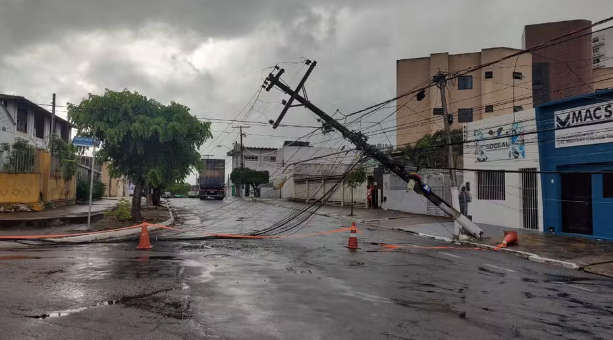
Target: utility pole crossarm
[[359, 140]]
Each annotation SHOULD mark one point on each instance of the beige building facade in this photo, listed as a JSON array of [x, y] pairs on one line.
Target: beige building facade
[[501, 88]]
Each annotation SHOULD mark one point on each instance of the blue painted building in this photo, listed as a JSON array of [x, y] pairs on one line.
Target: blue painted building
[[576, 155]]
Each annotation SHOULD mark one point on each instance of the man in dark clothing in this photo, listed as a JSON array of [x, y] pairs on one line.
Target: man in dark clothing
[[464, 199]]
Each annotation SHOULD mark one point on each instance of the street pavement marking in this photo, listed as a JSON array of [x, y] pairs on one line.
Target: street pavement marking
[[575, 286], [456, 256], [492, 266]]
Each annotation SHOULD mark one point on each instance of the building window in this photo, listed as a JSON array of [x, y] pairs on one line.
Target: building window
[[491, 185], [489, 108], [518, 108], [465, 115], [596, 60], [607, 185], [518, 75], [22, 120], [269, 158], [251, 158], [596, 50], [465, 82], [437, 111], [595, 40], [489, 74]]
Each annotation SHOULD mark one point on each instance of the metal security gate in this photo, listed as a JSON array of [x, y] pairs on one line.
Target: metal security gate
[[529, 201]]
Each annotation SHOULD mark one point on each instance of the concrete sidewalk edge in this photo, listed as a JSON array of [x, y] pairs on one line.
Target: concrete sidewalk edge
[[113, 235], [523, 254]]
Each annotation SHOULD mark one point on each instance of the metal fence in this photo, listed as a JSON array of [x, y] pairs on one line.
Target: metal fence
[[19, 162]]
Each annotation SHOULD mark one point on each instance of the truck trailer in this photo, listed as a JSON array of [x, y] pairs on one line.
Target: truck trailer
[[212, 179]]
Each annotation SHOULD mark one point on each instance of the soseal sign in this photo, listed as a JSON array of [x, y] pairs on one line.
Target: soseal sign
[[585, 125]]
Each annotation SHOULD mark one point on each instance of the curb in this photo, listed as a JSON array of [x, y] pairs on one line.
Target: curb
[[522, 254], [112, 235]]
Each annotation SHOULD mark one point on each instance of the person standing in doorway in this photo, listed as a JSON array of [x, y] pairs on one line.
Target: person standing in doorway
[[464, 199], [369, 195]]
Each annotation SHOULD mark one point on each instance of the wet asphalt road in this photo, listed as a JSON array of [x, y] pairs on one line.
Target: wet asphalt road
[[294, 288]]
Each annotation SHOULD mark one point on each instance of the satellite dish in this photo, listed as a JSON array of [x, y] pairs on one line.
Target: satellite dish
[[278, 182]]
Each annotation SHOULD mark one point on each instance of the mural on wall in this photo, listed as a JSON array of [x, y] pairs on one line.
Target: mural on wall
[[491, 144]]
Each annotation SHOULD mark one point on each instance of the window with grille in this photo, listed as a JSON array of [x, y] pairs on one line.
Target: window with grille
[[518, 75], [465, 82], [465, 115], [491, 185], [251, 158], [489, 108], [489, 74], [437, 111], [269, 158]]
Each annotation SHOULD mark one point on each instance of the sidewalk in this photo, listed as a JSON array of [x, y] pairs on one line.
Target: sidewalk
[[591, 255], [76, 213]]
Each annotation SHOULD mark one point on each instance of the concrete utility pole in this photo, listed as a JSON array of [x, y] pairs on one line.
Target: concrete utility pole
[[52, 127], [441, 82], [359, 140], [240, 129]]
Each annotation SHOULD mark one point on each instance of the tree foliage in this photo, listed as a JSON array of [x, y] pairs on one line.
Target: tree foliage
[[152, 143], [21, 156], [249, 176], [356, 177], [66, 153], [431, 150], [179, 188]]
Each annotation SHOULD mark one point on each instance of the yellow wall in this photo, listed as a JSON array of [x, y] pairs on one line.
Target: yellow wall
[[19, 188], [55, 188]]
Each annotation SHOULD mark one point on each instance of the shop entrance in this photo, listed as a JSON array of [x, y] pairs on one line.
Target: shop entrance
[[577, 203]]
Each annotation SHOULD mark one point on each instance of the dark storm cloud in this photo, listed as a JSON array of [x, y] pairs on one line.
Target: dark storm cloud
[[209, 54]]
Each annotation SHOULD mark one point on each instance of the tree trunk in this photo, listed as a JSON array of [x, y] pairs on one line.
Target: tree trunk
[[136, 201], [351, 202], [148, 195], [157, 193]]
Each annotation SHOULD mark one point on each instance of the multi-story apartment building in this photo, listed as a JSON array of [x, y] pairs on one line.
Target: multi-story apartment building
[[495, 90]]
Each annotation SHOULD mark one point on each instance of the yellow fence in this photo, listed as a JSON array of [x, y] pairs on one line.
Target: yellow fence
[[20, 188], [30, 191]]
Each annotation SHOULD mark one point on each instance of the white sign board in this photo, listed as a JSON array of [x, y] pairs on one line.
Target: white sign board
[[585, 125], [506, 141]]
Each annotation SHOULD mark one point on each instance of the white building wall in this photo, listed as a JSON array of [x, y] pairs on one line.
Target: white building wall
[[492, 154]]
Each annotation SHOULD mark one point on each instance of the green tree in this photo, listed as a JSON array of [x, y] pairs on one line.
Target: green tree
[[179, 188], [354, 179], [151, 143], [430, 151], [250, 177]]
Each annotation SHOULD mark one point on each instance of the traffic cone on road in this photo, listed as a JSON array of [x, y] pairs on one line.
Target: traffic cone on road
[[353, 237], [510, 237], [144, 243]]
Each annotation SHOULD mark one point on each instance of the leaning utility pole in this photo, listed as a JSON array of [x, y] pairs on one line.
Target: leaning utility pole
[[359, 140], [240, 129], [441, 82]]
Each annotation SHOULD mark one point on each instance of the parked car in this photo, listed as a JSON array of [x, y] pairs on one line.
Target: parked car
[[167, 194], [192, 194]]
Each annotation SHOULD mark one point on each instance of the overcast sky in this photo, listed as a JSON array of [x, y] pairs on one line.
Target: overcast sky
[[209, 55]]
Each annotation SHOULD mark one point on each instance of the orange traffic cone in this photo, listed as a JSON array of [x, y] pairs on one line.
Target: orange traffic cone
[[353, 237], [510, 237], [144, 243]]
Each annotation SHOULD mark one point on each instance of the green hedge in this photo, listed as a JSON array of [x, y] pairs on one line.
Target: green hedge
[[83, 190]]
